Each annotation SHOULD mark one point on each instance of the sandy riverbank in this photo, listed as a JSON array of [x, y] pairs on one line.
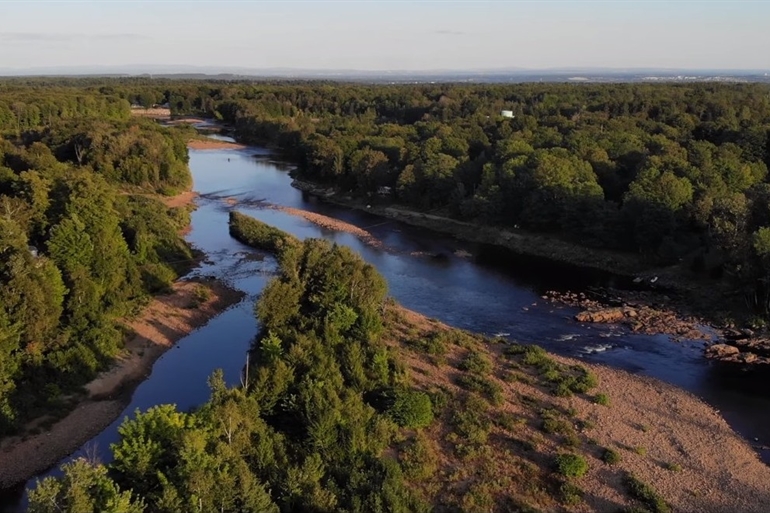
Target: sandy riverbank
[[666, 437], [213, 144], [180, 200], [165, 320]]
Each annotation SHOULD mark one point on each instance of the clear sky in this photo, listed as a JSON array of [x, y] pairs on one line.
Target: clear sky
[[383, 35]]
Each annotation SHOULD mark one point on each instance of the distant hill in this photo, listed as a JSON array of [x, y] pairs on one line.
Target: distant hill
[[501, 75]]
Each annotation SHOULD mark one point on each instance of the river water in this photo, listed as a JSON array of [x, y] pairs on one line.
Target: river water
[[490, 292]]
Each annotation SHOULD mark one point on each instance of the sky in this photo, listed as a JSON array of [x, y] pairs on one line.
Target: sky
[[386, 35]]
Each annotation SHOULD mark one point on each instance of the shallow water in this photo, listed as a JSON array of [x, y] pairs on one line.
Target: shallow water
[[490, 292]]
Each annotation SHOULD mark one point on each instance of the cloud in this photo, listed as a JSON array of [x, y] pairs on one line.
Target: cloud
[[450, 32], [46, 37]]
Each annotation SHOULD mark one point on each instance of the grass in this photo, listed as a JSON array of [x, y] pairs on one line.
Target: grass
[[673, 467], [602, 399], [641, 451]]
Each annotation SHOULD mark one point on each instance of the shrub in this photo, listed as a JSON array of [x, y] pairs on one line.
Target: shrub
[[584, 381], [645, 494], [418, 458], [673, 467], [602, 399], [412, 409], [641, 451], [476, 363], [435, 344], [571, 465], [552, 425], [508, 421], [571, 439], [471, 421], [536, 356], [570, 494], [610, 456], [481, 385]]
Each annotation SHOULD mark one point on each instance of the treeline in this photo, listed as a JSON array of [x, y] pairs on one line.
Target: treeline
[[674, 172], [82, 242], [299, 435]]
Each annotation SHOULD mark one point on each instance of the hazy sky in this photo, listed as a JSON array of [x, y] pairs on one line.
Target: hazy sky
[[379, 35]]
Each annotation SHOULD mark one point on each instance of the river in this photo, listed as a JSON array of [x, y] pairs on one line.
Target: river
[[489, 292]]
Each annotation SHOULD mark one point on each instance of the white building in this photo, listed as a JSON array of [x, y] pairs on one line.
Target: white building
[[506, 113]]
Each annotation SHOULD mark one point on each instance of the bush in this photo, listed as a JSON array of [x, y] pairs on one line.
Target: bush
[[412, 409], [434, 344], [419, 459], [602, 399], [471, 422], [571, 465], [552, 425], [481, 385], [571, 494], [645, 494], [610, 456], [476, 363]]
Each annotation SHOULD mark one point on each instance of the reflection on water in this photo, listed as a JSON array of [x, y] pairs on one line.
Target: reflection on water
[[490, 291]]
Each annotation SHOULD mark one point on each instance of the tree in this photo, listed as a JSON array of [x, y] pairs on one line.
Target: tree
[[84, 488]]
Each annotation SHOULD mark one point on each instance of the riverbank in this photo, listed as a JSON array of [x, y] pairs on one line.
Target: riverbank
[[672, 304], [519, 241], [164, 321], [663, 436], [213, 144]]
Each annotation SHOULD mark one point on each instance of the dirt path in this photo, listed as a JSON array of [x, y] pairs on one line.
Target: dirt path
[[163, 322]]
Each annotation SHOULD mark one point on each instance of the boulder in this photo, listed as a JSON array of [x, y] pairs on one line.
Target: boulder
[[722, 351], [605, 315]]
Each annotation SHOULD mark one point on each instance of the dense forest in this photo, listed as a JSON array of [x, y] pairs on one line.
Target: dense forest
[[674, 173], [84, 238], [671, 172]]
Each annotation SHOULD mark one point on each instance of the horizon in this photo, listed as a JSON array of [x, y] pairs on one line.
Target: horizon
[[373, 36]]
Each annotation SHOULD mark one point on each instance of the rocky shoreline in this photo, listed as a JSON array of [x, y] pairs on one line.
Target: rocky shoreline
[[664, 310], [742, 348]]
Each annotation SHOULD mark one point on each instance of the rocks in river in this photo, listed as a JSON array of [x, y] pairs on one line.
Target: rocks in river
[[634, 309], [759, 346], [741, 351], [605, 315], [721, 351]]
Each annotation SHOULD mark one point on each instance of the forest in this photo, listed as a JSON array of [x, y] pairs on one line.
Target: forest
[[84, 239], [328, 416], [675, 174]]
